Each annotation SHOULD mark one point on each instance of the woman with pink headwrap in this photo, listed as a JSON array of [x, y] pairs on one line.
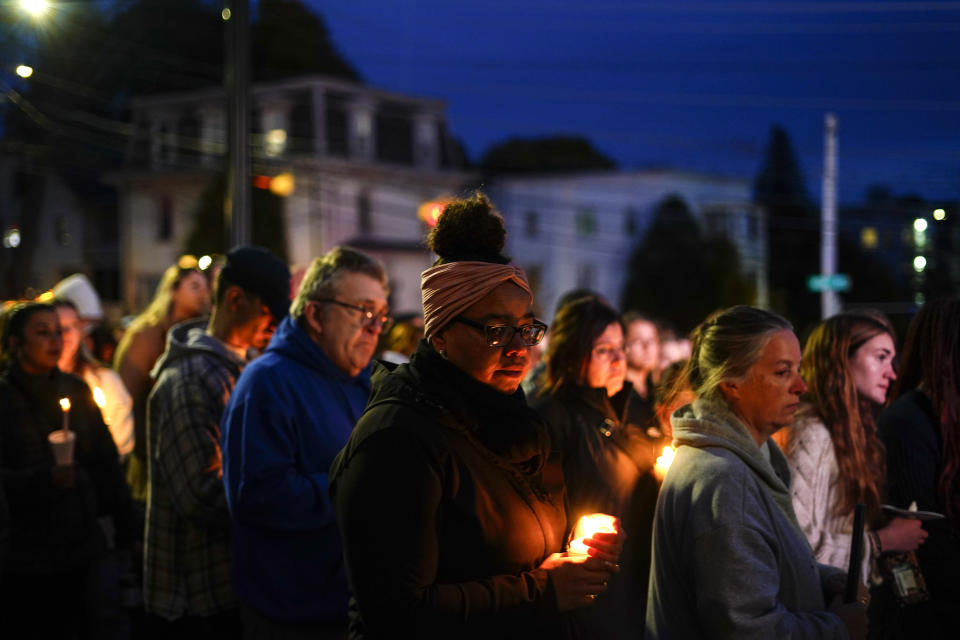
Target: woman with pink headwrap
[[451, 519]]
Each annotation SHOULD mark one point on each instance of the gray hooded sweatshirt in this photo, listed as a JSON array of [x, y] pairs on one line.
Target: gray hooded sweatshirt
[[729, 560]]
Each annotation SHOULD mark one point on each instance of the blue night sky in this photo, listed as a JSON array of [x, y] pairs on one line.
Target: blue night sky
[[688, 85]]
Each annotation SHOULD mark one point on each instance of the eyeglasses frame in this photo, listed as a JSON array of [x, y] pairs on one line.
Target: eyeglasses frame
[[479, 326], [368, 317]]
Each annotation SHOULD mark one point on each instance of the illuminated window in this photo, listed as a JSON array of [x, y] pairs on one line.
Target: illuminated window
[[868, 238], [275, 142]]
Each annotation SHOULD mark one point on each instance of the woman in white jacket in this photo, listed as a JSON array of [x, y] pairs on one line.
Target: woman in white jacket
[[111, 396], [836, 459]]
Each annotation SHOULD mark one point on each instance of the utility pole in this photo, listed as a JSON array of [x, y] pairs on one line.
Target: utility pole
[[237, 79], [829, 300]]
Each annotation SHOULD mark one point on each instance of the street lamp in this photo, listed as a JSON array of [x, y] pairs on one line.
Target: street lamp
[[24, 71], [36, 8]]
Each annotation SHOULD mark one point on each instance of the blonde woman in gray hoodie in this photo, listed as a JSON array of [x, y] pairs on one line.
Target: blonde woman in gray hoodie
[[729, 559]]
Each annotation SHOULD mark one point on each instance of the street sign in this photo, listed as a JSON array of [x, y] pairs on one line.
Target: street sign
[[834, 282]]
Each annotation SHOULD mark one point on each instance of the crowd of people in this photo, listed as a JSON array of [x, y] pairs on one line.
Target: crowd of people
[[257, 462]]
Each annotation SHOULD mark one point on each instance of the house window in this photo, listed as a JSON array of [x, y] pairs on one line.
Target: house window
[[586, 222], [753, 228], [63, 231], [364, 222], [164, 218], [586, 276], [531, 224], [630, 222]]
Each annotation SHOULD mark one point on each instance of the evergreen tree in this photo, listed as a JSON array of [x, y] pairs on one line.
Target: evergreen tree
[[290, 40], [72, 117], [677, 274], [544, 155], [209, 233], [793, 231]]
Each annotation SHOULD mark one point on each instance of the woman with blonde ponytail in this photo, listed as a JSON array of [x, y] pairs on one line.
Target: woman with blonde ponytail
[[729, 558]]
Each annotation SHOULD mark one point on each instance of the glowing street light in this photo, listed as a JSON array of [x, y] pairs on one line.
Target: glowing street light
[[939, 214], [36, 8], [24, 70], [919, 264], [920, 224]]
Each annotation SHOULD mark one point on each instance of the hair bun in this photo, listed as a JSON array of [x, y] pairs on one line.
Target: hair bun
[[469, 229]]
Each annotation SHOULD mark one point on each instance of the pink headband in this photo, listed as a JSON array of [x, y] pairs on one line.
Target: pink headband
[[450, 289]]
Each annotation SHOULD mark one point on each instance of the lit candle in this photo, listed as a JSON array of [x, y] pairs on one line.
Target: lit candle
[[586, 527], [664, 461], [99, 398], [65, 407]]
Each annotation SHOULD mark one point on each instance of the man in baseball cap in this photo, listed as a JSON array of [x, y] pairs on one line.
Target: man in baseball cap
[[188, 578]]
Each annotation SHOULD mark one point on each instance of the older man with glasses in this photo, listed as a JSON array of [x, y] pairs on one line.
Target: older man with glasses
[[292, 411]]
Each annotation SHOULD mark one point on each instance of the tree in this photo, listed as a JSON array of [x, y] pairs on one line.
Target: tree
[[545, 155], [677, 274], [209, 233], [72, 117], [290, 40], [793, 231]]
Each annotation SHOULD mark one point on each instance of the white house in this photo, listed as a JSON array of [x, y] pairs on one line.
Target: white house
[[362, 162], [579, 230]]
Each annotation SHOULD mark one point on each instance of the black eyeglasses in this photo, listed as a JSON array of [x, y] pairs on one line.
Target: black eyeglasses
[[500, 335], [369, 317]]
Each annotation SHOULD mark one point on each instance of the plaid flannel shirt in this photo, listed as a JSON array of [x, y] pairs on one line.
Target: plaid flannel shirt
[[187, 557]]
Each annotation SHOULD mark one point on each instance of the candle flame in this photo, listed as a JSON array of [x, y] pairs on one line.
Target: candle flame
[[664, 461], [65, 404], [99, 398], [589, 525]]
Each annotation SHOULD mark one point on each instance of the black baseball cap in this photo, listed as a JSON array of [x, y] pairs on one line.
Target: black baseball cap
[[257, 271]]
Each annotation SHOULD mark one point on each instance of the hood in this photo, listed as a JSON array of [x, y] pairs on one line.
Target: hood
[[78, 290], [711, 423], [189, 338], [293, 342]]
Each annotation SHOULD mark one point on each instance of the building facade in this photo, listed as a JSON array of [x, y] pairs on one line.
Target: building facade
[[579, 230], [357, 163]]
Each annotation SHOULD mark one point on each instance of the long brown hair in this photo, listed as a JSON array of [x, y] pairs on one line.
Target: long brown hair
[[850, 419], [931, 360], [575, 327]]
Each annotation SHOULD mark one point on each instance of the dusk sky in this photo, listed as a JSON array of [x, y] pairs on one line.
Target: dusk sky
[[687, 85]]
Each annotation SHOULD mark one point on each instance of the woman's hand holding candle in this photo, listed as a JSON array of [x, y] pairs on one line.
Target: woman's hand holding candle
[[575, 580], [598, 535], [607, 547]]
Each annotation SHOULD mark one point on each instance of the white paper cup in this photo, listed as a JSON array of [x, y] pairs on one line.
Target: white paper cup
[[62, 444]]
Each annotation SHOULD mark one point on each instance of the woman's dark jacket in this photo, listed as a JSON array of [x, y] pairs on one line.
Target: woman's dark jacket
[[53, 528], [913, 439], [607, 447], [446, 509]]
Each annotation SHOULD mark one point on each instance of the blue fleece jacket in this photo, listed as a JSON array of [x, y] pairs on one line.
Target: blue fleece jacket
[[290, 414]]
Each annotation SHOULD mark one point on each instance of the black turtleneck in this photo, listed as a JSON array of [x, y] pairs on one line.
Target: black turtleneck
[[445, 509]]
